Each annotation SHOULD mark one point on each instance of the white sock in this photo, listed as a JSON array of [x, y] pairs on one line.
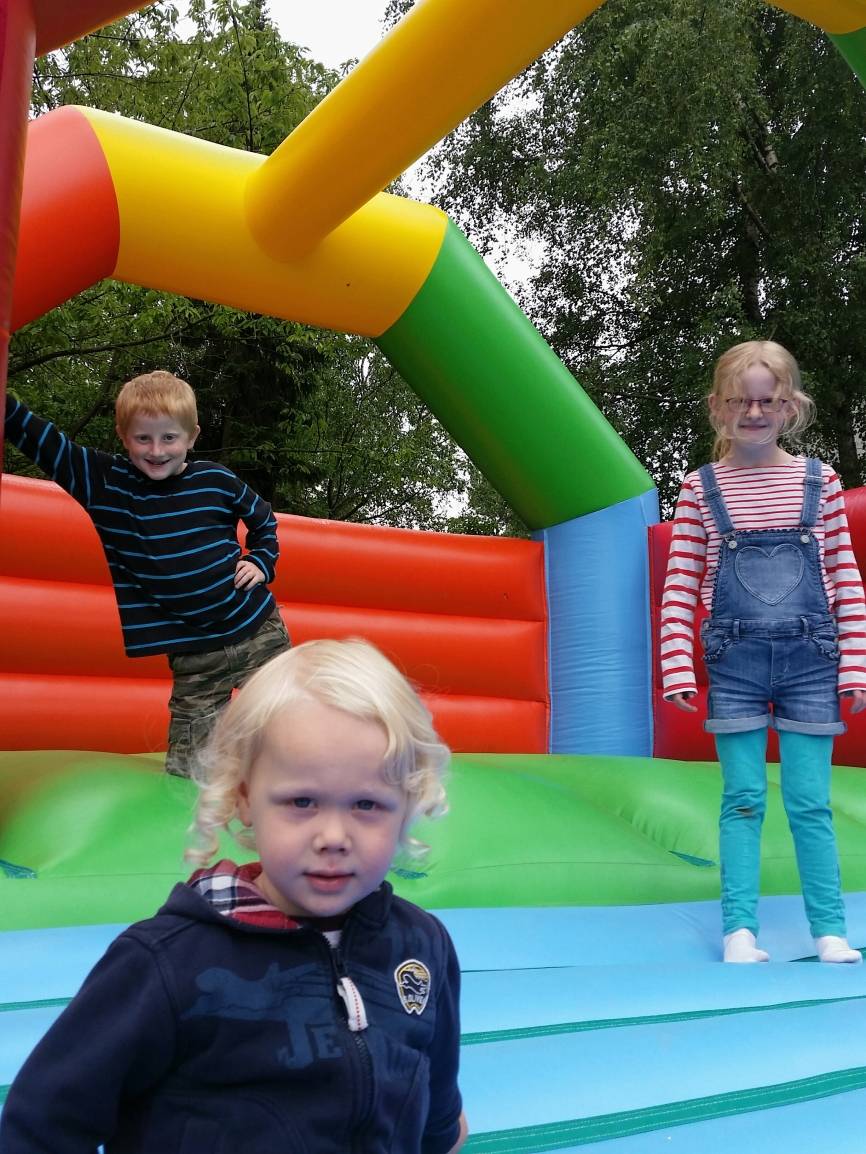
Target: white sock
[[740, 946], [833, 949]]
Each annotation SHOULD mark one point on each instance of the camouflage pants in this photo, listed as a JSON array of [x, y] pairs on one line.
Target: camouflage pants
[[203, 684]]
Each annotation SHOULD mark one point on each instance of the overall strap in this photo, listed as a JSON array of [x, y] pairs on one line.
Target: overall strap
[[715, 500], [812, 484]]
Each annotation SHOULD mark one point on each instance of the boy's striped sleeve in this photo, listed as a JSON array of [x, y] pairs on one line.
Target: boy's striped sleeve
[[64, 461], [261, 545]]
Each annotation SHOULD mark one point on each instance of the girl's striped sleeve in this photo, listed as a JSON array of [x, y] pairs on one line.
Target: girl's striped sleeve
[[686, 564], [850, 604]]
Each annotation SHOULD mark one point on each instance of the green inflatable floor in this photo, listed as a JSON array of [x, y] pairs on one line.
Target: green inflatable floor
[[90, 838]]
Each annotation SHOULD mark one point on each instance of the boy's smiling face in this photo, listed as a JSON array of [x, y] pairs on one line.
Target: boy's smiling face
[[157, 445], [326, 822]]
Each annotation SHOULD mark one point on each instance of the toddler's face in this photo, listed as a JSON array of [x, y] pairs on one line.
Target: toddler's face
[[327, 824]]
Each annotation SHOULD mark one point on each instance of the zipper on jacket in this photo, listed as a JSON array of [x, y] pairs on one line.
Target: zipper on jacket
[[356, 1022]]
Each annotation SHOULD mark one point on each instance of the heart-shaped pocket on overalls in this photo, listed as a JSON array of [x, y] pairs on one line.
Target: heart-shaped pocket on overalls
[[769, 574]]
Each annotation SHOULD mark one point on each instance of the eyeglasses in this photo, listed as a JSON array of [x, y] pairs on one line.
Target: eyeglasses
[[766, 405]]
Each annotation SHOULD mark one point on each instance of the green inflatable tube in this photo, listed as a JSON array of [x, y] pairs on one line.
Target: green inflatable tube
[[518, 412]]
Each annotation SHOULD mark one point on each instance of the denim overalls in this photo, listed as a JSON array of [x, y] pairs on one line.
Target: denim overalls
[[770, 636], [771, 639]]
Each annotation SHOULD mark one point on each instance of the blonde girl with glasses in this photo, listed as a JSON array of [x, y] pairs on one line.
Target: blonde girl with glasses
[[761, 538]]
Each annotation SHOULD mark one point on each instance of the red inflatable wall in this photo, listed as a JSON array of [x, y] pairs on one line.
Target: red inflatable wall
[[464, 617], [681, 735]]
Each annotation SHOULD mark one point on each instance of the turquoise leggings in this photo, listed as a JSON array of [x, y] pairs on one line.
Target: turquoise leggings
[[805, 761]]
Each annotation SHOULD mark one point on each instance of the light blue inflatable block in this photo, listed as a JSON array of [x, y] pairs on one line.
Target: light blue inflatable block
[[674, 933], [597, 573], [495, 1000], [832, 1123], [559, 1078]]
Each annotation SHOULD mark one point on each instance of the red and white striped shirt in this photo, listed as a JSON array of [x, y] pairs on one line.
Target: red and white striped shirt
[[757, 498]]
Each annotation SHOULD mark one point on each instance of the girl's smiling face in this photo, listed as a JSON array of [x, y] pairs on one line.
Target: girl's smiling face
[[755, 416], [326, 822]]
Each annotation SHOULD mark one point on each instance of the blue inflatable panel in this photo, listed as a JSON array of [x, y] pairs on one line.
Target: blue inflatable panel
[[21, 1030], [496, 1000], [597, 580], [673, 933], [579, 1019], [40, 964], [562, 1077], [828, 1124]]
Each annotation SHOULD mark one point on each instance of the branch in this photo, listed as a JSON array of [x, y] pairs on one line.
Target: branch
[[185, 92], [764, 150], [50, 102], [250, 141], [104, 392], [753, 215], [55, 354]]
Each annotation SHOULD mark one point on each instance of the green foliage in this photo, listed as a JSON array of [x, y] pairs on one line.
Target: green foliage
[[486, 512], [233, 81], [373, 451], [690, 175]]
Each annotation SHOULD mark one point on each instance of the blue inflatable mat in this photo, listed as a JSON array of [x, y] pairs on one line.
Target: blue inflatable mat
[[597, 1028], [671, 933]]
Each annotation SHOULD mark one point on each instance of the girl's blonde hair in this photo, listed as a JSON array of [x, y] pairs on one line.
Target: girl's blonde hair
[[156, 394], [350, 675], [728, 382]]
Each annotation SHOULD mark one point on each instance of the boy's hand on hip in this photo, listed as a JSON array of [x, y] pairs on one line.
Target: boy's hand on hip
[[683, 701], [247, 574], [857, 697]]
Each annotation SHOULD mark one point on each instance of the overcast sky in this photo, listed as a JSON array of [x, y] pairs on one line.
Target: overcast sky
[[333, 30]]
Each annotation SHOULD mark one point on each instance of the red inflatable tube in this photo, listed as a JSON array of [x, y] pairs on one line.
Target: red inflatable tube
[[128, 715], [60, 22], [430, 648], [116, 715], [46, 536], [496, 577], [59, 254], [17, 48], [508, 657]]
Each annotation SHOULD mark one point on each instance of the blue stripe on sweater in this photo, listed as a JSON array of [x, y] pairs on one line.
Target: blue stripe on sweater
[[177, 576], [168, 642]]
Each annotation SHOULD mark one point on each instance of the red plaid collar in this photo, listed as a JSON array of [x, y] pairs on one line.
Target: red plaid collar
[[232, 892]]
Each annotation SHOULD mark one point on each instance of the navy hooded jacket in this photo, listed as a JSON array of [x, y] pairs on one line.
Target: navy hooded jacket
[[198, 1034]]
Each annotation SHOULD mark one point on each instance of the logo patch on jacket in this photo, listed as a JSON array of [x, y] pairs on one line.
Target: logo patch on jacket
[[413, 985]]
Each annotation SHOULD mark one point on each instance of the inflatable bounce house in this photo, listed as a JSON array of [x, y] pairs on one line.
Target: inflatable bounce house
[[578, 867]]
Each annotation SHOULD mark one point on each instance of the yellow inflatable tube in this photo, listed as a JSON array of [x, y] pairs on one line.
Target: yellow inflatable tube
[[440, 63], [184, 229], [837, 17]]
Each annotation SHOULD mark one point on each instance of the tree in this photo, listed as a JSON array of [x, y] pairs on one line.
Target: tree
[[314, 421], [692, 175], [374, 450]]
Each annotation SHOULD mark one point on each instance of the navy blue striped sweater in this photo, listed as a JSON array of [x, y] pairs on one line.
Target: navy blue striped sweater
[[171, 545]]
